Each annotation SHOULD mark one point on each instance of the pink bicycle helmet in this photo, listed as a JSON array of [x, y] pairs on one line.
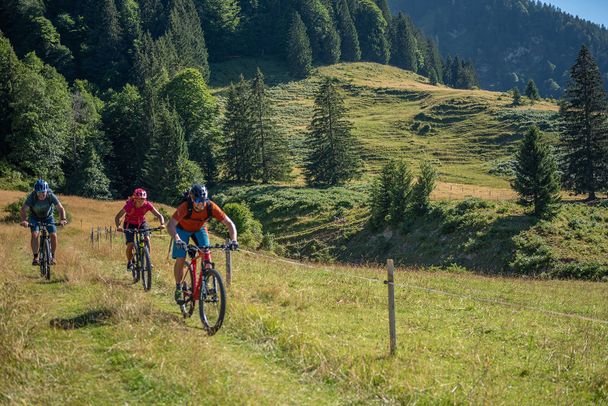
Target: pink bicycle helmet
[[139, 192]]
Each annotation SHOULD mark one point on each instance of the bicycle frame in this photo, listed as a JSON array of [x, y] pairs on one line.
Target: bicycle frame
[[196, 254]]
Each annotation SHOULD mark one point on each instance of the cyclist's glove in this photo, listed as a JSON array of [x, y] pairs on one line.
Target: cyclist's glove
[[181, 244], [234, 245]]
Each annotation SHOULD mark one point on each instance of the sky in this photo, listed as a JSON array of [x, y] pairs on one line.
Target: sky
[[593, 10]]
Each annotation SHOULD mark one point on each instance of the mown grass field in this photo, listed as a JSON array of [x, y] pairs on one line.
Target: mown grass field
[[293, 335]]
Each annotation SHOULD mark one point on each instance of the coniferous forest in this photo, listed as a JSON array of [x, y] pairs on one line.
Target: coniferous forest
[[103, 89], [510, 41]]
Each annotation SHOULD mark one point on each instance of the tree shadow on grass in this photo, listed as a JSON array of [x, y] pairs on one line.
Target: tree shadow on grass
[[93, 317]]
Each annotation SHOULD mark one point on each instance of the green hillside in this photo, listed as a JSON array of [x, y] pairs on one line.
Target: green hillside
[[294, 334], [471, 137], [398, 114]]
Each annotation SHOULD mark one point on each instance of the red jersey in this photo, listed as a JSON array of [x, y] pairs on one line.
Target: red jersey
[[136, 215]]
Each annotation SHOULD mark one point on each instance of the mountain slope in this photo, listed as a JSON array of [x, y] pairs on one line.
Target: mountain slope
[[398, 114], [510, 41]]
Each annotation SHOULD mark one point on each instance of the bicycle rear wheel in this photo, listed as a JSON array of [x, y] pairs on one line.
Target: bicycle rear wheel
[[187, 307], [212, 301], [146, 269]]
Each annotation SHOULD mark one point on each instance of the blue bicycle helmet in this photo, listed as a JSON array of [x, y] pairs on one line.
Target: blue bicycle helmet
[[198, 193], [41, 186]]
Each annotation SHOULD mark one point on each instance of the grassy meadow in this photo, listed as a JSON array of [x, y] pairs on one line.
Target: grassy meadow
[[294, 333], [398, 114]]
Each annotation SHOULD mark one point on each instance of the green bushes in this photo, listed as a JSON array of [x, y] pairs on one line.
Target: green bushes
[[13, 209], [249, 229]]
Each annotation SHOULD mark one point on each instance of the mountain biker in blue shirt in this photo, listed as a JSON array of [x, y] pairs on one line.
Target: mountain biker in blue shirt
[[40, 203]]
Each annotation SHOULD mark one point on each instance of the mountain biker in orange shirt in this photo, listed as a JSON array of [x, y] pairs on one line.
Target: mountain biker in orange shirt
[[189, 221]]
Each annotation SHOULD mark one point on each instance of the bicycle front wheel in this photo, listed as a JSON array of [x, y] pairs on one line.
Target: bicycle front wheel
[[146, 269], [212, 301], [45, 262]]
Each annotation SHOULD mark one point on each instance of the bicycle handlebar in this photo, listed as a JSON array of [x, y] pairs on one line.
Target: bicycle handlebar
[[141, 230], [225, 247], [44, 224]]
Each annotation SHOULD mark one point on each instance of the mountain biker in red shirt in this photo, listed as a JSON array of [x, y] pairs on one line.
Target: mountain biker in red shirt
[[135, 210]]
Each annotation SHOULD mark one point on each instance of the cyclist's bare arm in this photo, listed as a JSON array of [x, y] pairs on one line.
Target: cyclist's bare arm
[[24, 222], [159, 216], [231, 228], [117, 219], [62, 218], [171, 228]]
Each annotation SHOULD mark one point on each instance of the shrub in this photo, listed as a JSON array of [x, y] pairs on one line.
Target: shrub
[[249, 229], [532, 256], [577, 270], [13, 209]]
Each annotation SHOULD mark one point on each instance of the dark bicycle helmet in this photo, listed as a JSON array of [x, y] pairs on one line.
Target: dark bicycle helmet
[[198, 193], [41, 186]]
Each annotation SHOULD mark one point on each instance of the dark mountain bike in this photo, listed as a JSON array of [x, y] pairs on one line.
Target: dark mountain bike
[[142, 264], [45, 254], [206, 287]]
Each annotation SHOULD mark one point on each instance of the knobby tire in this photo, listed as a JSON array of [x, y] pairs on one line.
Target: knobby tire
[[146, 269], [212, 301]]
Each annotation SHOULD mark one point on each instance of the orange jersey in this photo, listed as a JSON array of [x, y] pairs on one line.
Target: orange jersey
[[198, 218]]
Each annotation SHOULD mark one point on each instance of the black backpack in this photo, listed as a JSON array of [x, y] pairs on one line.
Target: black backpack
[[186, 198]]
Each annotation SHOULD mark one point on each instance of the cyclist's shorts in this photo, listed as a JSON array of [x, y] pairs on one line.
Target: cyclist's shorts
[[130, 237], [200, 238], [36, 221]]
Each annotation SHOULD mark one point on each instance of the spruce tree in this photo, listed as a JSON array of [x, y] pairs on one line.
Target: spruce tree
[[585, 137], [536, 181], [380, 198], [421, 194], [187, 36], [86, 133], [403, 44], [532, 91], [516, 97], [105, 62], [349, 40], [400, 192], [324, 39], [167, 171], [90, 180], [299, 54], [333, 158], [372, 29], [273, 150], [241, 153], [124, 126]]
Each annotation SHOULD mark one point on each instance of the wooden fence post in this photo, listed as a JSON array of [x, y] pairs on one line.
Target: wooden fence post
[[228, 266], [92, 237], [391, 306]]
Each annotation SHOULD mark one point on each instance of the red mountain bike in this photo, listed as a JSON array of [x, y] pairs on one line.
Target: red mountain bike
[[207, 288]]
